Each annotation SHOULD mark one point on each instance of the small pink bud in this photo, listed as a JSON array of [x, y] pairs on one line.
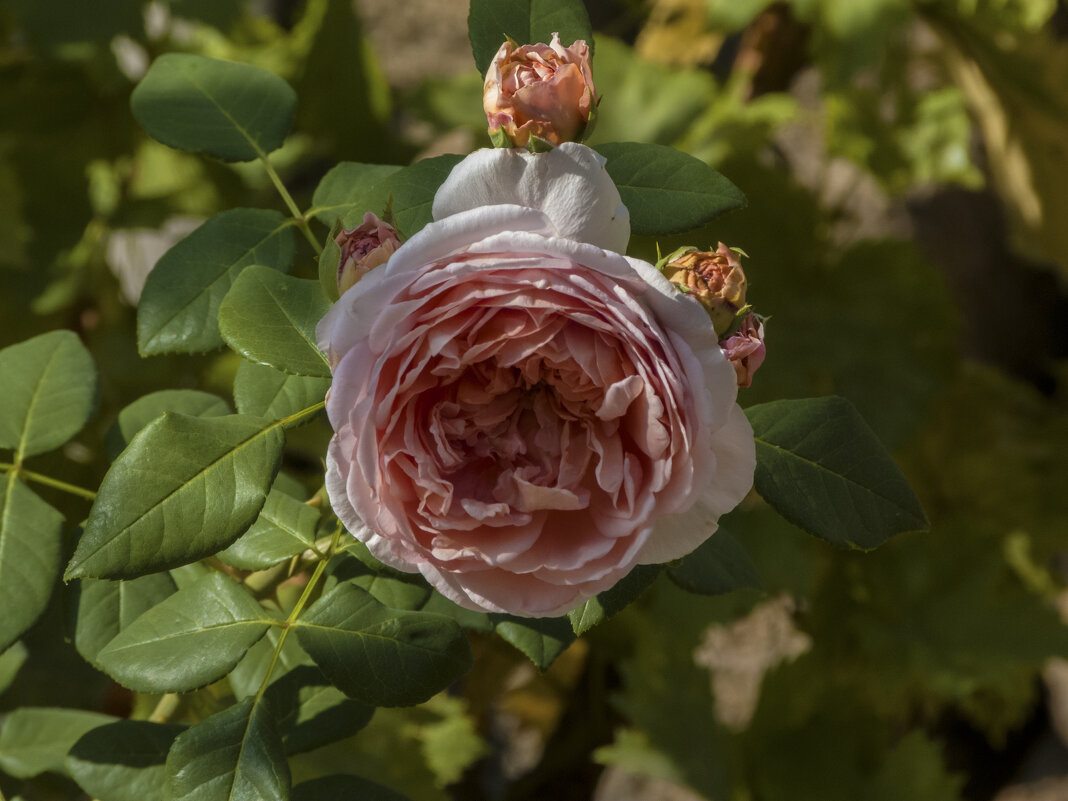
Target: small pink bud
[[745, 348], [540, 90], [715, 278], [363, 248]]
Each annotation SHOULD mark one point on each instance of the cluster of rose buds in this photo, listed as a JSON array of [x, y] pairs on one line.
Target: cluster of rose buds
[[715, 279]]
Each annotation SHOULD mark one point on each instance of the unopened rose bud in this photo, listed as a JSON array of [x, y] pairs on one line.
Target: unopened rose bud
[[363, 248], [714, 278], [745, 348], [544, 91]]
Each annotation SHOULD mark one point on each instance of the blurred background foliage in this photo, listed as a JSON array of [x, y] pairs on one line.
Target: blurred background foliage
[[905, 163]]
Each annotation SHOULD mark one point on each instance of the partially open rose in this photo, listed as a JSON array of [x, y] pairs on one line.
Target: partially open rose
[[541, 90], [522, 416]]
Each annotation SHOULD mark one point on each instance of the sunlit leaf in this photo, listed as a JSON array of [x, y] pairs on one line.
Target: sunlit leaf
[[11, 660], [382, 656], [351, 189], [823, 469], [185, 488], [36, 739], [412, 190], [179, 306], [49, 392], [104, 608], [265, 392], [124, 760], [235, 112], [270, 318], [490, 22], [147, 408], [30, 539], [284, 528]]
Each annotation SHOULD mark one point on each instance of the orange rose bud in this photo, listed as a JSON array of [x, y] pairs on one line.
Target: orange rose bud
[[715, 279], [363, 248], [539, 95]]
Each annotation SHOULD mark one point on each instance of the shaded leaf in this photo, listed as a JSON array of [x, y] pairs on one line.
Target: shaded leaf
[[719, 565], [36, 739], [30, 538], [665, 190], [389, 587], [265, 392], [235, 755], [823, 469], [604, 605], [148, 407], [124, 760], [284, 528], [270, 318], [342, 787], [412, 192], [191, 639], [49, 392], [11, 660], [311, 712], [382, 656], [541, 639], [490, 22], [104, 608], [185, 488], [179, 307], [235, 112]]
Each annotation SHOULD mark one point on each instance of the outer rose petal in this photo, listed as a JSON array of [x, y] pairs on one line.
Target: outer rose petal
[[569, 184]]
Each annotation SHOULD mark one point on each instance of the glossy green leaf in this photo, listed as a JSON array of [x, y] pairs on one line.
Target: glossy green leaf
[[235, 755], [382, 656], [11, 661], [36, 739], [490, 22], [411, 192], [147, 408], [604, 605], [179, 307], [30, 539], [185, 488], [270, 318], [823, 469], [104, 608], [265, 392], [542, 639], [284, 528], [665, 190], [343, 787], [49, 392], [124, 760], [189, 640], [719, 565], [235, 112], [351, 189]]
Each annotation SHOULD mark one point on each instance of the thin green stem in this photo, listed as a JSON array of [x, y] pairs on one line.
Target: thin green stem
[[165, 708], [295, 613], [301, 220], [30, 475]]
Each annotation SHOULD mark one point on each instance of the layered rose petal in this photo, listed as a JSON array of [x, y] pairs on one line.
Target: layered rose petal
[[519, 414]]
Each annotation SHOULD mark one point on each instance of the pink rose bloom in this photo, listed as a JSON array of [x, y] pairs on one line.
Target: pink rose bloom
[[745, 349], [544, 90], [521, 413], [363, 248]]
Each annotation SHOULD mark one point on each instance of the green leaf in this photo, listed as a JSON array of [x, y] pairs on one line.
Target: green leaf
[[235, 755], [412, 191], [270, 318], [284, 528], [265, 392], [490, 22], [382, 656], [179, 307], [124, 760], [104, 608], [330, 264], [349, 190], [235, 112], [343, 787], [823, 469], [665, 190], [184, 489], [541, 639], [311, 712], [147, 408], [389, 587], [49, 392], [604, 605], [36, 739], [30, 538], [468, 618], [719, 565], [191, 639], [11, 660]]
